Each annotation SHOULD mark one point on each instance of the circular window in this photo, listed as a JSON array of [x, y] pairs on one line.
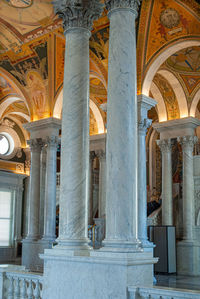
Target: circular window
[[4, 145]]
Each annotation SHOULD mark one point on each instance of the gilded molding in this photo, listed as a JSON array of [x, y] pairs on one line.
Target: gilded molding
[[78, 13]]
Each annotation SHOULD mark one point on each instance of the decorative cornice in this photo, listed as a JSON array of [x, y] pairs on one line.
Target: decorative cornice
[[187, 142], [123, 4], [165, 145], [78, 13]]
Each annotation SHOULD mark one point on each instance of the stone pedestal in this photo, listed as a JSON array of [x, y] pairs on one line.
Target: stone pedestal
[[99, 275]]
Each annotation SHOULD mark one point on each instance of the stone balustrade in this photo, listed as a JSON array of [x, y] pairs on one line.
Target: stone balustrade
[[161, 293], [16, 284]]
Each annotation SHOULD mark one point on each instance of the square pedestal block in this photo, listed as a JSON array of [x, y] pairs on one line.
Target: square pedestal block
[[94, 274], [188, 258], [30, 254]]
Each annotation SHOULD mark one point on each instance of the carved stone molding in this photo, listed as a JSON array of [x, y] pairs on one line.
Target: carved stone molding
[[35, 144], [101, 154], [165, 145], [144, 125], [78, 13], [51, 142], [187, 142], [116, 4]]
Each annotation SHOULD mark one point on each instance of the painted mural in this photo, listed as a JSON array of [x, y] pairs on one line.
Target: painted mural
[[168, 96]]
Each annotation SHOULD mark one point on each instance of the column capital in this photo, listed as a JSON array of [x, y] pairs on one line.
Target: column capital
[[187, 142], [35, 144], [165, 145], [101, 154], [51, 142], [133, 5], [92, 155], [143, 125], [78, 13]]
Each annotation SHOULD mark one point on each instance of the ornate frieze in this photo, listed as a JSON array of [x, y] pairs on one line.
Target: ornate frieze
[[115, 4], [187, 142], [78, 13], [165, 145]]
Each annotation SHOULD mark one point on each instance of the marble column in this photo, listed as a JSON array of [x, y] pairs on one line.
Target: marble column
[[34, 193], [77, 19], [90, 199], [144, 104], [26, 190], [167, 203], [122, 144], [187, 143], [102, 183], [50, 189], [42, 187]]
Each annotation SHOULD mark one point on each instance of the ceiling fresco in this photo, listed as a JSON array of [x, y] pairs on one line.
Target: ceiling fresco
[[168, 95]]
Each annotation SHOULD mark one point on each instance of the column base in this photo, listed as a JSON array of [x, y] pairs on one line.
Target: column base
[[147, 246], [121, 245], [30, 253], [188, 256], [73, 244], [98, 275]]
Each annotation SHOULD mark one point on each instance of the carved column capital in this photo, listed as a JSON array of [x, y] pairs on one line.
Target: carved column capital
[[51, 142], [78, 13], [123, 4], [165, 145], [35, 144], [187, 142], [101, 154], [92, 155], [143, 125]]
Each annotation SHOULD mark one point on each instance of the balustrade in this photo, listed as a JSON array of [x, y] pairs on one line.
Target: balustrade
[[161, 293], [21, 285]]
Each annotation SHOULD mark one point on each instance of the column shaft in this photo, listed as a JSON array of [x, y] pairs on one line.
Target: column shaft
[[34, 193], [187, 143], [75, 140], [121, 151], [50, 189], [142, 182], [90, 199], [42, 187], [167, 203], [102, 183]]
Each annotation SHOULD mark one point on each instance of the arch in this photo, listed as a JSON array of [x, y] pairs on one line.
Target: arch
[[162, 111], [25, 116], [57, 111], [7, 103], [25, 132], [161, 58], [195, 102], [178, 90]]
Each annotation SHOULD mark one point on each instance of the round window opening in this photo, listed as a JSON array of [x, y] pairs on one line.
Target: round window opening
[[4, 145]]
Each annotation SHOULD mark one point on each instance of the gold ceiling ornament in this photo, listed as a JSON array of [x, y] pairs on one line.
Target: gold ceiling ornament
[[19, 3]]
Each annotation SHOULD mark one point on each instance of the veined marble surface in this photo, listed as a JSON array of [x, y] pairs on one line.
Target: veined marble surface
[[121, 154], [75, 141]]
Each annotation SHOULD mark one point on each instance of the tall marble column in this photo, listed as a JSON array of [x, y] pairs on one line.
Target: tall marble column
[[50, 189], [26, 190], [122, 144], [34, 193], [90, 199], [187, 143], [102, 183], [144, 104], [167, 203], [42, 187], [77, 19]]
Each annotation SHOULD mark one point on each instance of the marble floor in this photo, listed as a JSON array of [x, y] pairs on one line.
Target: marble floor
[[178, 282]]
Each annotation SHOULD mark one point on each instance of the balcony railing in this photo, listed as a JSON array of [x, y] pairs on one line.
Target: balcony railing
[[161, 293], [20, 284]]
